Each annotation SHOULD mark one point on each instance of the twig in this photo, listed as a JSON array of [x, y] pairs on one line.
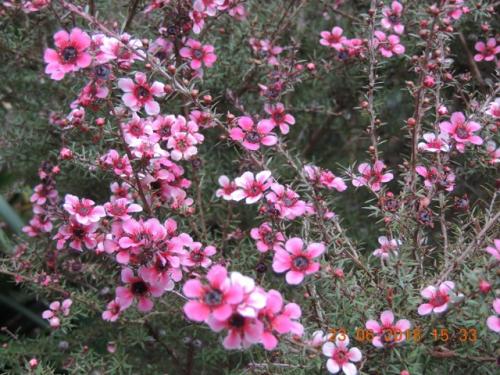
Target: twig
[[470, 59], [131, 14]]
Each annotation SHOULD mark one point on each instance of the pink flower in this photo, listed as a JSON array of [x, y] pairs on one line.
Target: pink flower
[[392, 17], [434, 143], [461, 130], [386, 247], [121, 208], [286, 201], [251, 136], [318, 339], [438, 298], [493, 322], [113, 310], [77, 234], [340, 357], [279, 117], [120, 164], [494, 251], [138, 289], [215, 298], [333, 39], [198, 256], [141, 233], [242, 331], [388, 334], [198, 54], [141, 94], [254, 297], [182, 146], [372, 177], [70, 54], [324, 177], [84, 211], [494, 109], [227, 188], [208, 6], [296, 261], [136, 130], [267, 238], [487, 51], [56, 311], [434, 178], [251, 188], [388, 45], [42, 193], [278, 319]]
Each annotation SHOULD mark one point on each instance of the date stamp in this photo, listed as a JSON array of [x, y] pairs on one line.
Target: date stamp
[[463, 335]]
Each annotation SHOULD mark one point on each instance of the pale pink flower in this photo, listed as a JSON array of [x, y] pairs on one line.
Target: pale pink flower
[[140, 93], [487, 51], [251, 136], [208, 6], [141, 233], [267, 238], [199, 256], [372, 177], [434, 178], [198, 54], [434, 143], [136, 130], [340, 357], [392, 17], [138, 289], [333, 39], [296, 261], [388, 45], [250, 187], [70, 55], [121, 208], [182, 146], [494, 108], [84, 211], [324, 177], [112, 312], [42, 193], [493, 321], [254, 297], [120, 164], [438, 298], [56, 311], [215, 298], [286, 201], [388, 334], [494, 250], [461, 130], [279, 117], [318, 339], [77, 234], [123, 51], [242, 331], [387, 247], [279, 319], [227, 188]]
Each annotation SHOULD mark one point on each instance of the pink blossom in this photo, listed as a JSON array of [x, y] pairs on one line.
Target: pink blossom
[[296, 261], [493, 321], [198, 54], [139, 289], [388, 45], [434, 178], [121, 208], [112, 312], [278, 319], [493, 152], [198, 19], [324, 177], [70, 54], [340, 356], [199, 256], [182, 146], [438, 298], [487, 51], [251, 136], [124, 51], [372, 177], [242, 331], [461, 130], [333, 39], [254, 297], [392, 17], [250, 187], [279, 117], [434, 143], [141, 93], [84, 211], [136, 130], [56, 311], [386, 247], [388, 334], [494, 108], [267, 238], [318, 339], [120, 164], [208, 6], [215, 298], [286, 201], [42, 193], [494, 250], [77, 234], [141, 233], [227, 188]]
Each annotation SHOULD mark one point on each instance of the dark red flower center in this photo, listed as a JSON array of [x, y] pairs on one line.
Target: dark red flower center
[[198, 54], [142, 92], [236, 321], [139, 288], [439, 299], [393, 19], [462, 132], [340, 356], [252, 137], [196, 256], [301, 262], [69, 54], [213, 297]]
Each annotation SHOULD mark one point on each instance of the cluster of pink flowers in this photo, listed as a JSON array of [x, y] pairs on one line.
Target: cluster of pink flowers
[[233, 302], [56, 311], [434, 178], [264, 48], [324, 178], [345, 48]]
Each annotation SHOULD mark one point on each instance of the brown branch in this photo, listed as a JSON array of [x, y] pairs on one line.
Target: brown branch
[[472, 63]]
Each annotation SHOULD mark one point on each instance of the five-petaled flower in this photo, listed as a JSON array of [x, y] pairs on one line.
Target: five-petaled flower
[[486, 51], [252, 135], [373, 177], [438, 298], [388, 333], [198, 54], [140, 93], [279, 117], [340, 357], [250, 187], [392, 17], [461, 130]]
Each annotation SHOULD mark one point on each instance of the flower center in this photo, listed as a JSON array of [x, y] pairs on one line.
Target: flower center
[[142, 92], [213, 297], [197, 256], [288, 201], [278, 116], [237, 321], [439, 299], [301, 262], [102, 71], [252, 137], [340, 356], [69, 54], [462, 132], [393, 19], [139, 288], [198, 54]]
